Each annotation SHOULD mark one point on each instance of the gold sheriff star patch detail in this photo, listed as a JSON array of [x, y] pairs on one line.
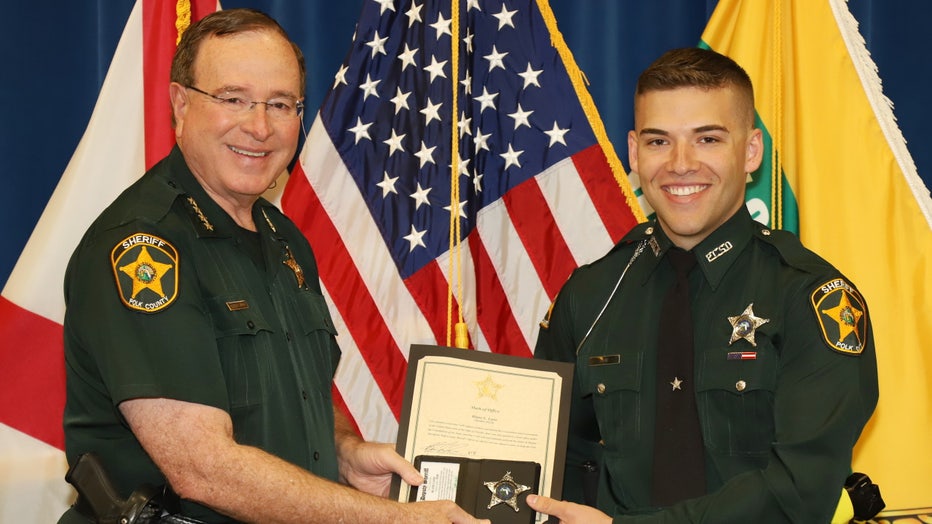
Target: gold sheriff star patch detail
[[146, 271], [745, 325], [842, 316]]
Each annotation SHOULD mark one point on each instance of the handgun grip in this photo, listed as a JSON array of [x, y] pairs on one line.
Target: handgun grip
[[96, 494]]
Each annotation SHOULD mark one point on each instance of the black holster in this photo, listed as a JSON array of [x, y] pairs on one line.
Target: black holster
[[98, 499]]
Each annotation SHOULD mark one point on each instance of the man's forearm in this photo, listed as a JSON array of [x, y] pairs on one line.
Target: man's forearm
[[268, 489]]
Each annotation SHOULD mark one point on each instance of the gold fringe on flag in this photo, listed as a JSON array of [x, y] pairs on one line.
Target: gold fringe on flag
[[182, 17], [592, 114]]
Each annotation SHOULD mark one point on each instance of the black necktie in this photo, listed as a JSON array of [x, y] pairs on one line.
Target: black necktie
[[679, 456]]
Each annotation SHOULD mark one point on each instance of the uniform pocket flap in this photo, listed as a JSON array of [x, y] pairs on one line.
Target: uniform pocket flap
[[720, 370], [318, 316], [621, 373]]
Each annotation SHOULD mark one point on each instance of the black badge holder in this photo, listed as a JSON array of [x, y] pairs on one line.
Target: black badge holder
[[488, 488]]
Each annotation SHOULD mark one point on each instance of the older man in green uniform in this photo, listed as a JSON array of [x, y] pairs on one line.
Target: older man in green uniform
[[199, 349], [752, 415]]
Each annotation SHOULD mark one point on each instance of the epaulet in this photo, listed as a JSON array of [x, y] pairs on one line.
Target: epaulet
[[791, 250], [838, 306], [156, 195], [642, 231]]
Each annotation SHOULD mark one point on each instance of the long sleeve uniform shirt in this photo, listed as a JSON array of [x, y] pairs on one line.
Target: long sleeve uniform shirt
[[785, 374]]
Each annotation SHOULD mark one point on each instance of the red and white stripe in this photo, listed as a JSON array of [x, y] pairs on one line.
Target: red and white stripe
[[129, 131], [513, 264]]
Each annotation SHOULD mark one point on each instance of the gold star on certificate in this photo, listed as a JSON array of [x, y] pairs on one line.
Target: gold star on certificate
[[488, 388], [677, 384], [745, 325], [146, 273], [847, 317]]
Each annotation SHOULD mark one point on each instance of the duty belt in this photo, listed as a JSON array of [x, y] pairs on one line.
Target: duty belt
[[99, 502]]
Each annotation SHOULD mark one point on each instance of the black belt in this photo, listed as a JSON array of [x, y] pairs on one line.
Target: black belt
[[145, 517]]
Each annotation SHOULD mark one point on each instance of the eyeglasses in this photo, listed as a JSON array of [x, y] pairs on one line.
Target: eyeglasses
[[277, 109]]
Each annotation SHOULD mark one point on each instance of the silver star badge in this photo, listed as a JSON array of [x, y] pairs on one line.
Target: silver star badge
[[745, 325], [505, 490]]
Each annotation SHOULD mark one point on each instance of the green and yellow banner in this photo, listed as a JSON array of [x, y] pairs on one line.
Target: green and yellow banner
[[838, 173]]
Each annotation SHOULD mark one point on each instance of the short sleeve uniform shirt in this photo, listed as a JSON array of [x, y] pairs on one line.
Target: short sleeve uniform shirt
[[167, 297]]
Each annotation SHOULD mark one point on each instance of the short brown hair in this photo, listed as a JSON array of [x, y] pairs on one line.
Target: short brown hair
[[696, 67], [224, 23]]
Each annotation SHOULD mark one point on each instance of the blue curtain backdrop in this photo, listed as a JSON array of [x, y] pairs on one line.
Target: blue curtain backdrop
[[57, 54]]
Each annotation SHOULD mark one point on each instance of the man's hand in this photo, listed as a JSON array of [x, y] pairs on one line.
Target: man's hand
[[567, 512], [438, 511], [367, 466]]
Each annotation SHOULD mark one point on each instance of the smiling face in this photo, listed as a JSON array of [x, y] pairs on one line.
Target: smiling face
[[692, 149], [237, 156]]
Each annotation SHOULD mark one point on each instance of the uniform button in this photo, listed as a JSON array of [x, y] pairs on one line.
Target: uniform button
[[765, 232], [649, 231], [304, 394], [600, 388], [251, 324], [740, 385], [601, 442], [316, 455]]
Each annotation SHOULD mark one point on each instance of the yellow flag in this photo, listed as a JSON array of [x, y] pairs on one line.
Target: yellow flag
[[847, 185]]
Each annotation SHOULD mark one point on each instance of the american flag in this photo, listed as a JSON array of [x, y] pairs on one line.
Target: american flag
[[539, 188]]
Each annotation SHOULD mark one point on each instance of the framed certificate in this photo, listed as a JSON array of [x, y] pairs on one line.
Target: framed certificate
[[468, 415]]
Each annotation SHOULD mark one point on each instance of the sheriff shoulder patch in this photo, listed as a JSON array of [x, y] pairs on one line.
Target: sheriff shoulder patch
[[146, 272], [842, 316]]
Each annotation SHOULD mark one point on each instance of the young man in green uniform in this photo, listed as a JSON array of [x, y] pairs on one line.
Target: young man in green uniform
[[199, 349], [761, 402]]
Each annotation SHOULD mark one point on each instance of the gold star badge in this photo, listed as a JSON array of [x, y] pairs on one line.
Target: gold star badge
[[677, 384], [745, 325], [146, 273], [846, 316], [294, 266], [505, 490]]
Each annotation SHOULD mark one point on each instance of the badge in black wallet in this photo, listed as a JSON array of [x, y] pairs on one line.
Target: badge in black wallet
[[505, 491], [486, 488]]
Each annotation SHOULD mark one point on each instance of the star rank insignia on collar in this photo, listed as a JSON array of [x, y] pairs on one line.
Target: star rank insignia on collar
[[745, 325], [196, 209], [505, 490]]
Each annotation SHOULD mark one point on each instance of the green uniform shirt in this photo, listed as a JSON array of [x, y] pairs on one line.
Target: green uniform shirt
[[167, 297], [779, 416]]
